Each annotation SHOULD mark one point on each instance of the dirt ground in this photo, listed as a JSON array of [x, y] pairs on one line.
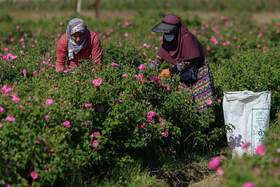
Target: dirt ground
[[211, 181]]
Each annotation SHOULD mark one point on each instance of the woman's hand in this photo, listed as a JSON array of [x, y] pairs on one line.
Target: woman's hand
[[165, 73], [153, 66]]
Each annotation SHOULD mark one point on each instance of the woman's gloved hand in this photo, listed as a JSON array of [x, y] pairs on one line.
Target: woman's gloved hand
[[153, 66], [165, 73], [179, 66]]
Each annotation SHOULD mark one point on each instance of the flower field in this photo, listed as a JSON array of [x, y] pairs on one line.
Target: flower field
[[73, 127]]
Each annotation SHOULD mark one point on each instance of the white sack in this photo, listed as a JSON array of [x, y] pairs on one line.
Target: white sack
[[249, 113]]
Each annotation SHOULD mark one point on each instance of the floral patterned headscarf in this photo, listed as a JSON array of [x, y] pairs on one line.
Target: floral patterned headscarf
[[75, 25]]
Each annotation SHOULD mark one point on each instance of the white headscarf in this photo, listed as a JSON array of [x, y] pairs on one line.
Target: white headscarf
[[75, 25]]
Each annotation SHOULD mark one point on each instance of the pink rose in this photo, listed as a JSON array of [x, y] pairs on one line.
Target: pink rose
[[95, 134], [209, 102], [158, 79], [248, 184], [124, 75], [114, 64], [214, 163], [97, 82], [220, 171], [49, 102], [143, 125], [34, 175], [88, 105], [10, 118], [2, 110], [152, 78], [142, 66], [35, 73], [261, 150], [16, 99], [66, 124], [151, 114], [165, 134], [47, 116], [13, 57], [95, 143]]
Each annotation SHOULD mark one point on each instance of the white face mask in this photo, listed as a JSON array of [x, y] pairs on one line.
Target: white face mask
[[169, 37]]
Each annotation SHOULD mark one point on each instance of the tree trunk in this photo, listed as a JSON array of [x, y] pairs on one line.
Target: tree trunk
[[97, 9], [78, 6]]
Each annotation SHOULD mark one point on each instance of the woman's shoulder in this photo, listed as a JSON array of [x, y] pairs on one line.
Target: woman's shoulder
[[92, 34], [63, 38], [63, 41], [92, 37]]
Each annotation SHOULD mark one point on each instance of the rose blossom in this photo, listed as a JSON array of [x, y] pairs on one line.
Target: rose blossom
[[220, 171], [66, 124], [95, 143], [49, 102], [151, 114], [209, 102], [214, 163], [142, 66], [97, 82], [88, 105], [248, 184], [10, 118], [95, 134], [2, 109], [34, 175], [114, 64], [261, 150]]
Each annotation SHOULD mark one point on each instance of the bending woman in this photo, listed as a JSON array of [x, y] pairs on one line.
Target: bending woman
[[182, 49], [78, 43]]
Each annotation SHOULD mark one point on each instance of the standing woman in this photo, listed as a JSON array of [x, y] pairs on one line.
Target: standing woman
[[78, 43], [182, 49]]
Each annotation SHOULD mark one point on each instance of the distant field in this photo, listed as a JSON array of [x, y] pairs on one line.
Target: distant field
[[194, 5], [23, 15]]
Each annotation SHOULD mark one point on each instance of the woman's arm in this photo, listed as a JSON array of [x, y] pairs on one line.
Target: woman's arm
[[156, 63], [61, 53]]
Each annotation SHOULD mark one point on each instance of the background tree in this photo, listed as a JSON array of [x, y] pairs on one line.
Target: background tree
[[78, 6]]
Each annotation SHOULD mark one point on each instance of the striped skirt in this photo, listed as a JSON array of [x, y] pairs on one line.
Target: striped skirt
[[203, 89]]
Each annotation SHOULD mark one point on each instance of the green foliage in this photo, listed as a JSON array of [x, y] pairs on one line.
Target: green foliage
[[253, 70]]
